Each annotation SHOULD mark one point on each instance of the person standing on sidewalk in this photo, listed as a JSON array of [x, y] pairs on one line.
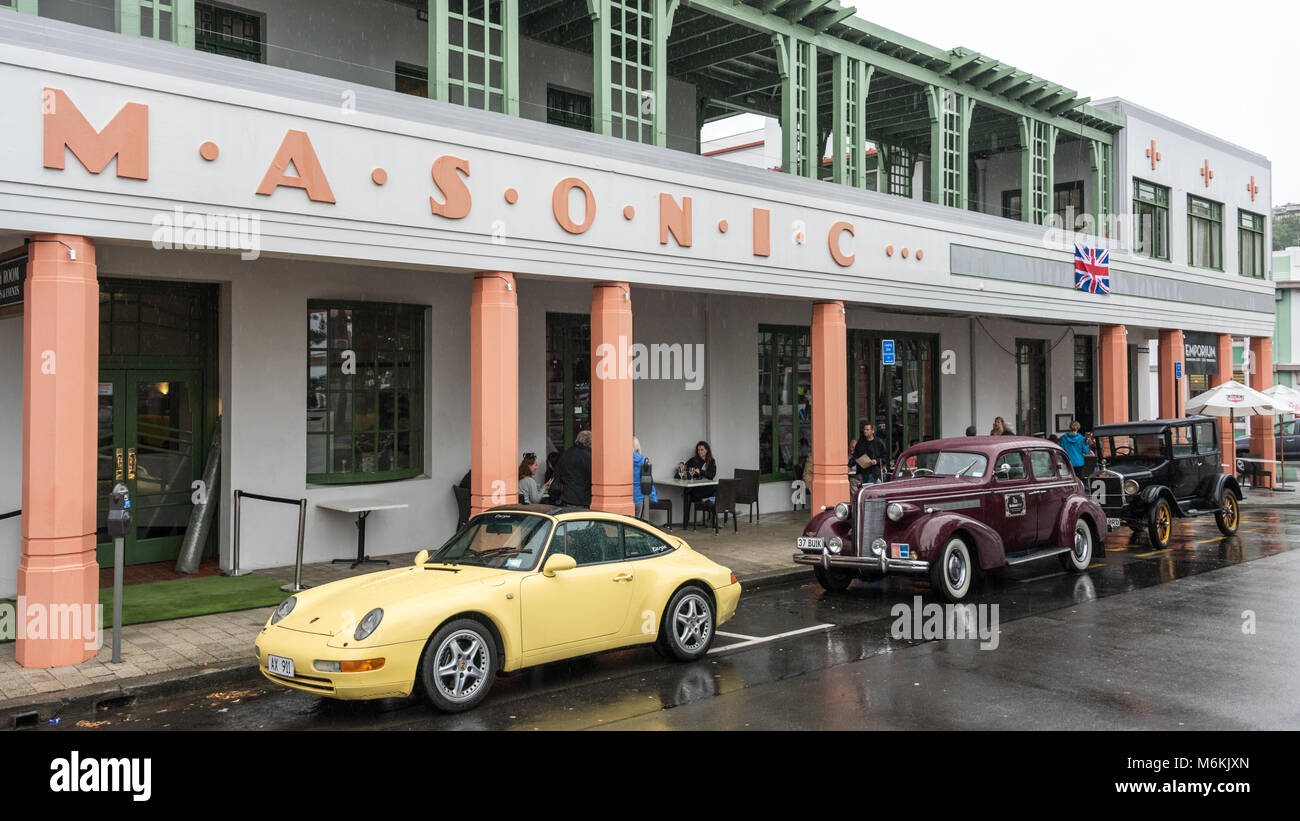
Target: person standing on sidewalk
[[869, 455], [1075, 445], [573, 472]]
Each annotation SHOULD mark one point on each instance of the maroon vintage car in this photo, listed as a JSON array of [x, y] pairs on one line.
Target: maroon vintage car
[[957, 507]]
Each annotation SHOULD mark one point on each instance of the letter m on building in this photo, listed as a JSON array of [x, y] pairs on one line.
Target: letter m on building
[[126, 137]]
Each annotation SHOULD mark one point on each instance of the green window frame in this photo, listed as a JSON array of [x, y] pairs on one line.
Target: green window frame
[[1204, 233], [784, 396], [1151, 220], [230, 31], [1250, 244], [168, 21], [1031, 387], [24, 6], [365, 391], [473, 50]]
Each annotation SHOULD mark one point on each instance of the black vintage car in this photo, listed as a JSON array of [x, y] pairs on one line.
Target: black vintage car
[[1143, 474]]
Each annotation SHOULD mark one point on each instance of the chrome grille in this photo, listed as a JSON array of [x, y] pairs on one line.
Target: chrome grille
[[871, 524]]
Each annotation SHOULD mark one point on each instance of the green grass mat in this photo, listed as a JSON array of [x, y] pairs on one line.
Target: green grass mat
[[180, 598]]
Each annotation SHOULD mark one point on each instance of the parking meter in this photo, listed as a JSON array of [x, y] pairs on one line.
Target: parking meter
[[119, 521]]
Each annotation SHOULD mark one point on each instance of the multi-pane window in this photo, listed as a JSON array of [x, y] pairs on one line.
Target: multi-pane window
[[1011, 204], [632, 69], [477, 49], [570, 109], [1250, 244], [1067, 204], [365, 391], [1204, 233], [171, 21], [229, 31], [784, 400], [1151, 218]]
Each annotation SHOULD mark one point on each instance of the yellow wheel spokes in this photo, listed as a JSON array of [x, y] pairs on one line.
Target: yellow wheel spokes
[[1229, 510], [1162, 523]]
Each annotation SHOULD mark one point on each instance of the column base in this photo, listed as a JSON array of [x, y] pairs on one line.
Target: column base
[[613, 500], [828, 489], [59, 621]]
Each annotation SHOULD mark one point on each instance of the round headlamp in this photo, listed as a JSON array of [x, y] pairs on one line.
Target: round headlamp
[[368, 624], [1130, 487], [285, 608], [878, 546], [842, 511], [894, 511], [835, 544]]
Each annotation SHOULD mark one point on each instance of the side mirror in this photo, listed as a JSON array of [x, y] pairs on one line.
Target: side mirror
[[558, 562], [1004, 471], [421, 557]]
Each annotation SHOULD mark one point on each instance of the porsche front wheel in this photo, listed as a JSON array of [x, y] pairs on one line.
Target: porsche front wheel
[[459, 665], [686, 630]]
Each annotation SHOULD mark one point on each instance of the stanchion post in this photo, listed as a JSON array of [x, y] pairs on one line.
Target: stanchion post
[[297, 585], [234, 550]]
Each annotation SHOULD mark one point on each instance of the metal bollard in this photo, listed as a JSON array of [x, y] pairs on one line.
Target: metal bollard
[[234, 550], [297, 585]]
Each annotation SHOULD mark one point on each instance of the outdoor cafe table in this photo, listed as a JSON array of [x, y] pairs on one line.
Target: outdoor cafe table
[[685, 485], [363, 508]]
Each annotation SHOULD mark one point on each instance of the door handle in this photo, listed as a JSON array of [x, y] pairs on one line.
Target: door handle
[[117, 465], [623, 577], [1036, 492], [130, 463]]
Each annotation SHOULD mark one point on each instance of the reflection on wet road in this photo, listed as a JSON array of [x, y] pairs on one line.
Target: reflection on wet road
[[793, 644]]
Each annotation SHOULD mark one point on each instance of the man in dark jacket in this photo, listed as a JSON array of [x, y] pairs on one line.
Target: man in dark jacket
[[573, 472], [870, 470]]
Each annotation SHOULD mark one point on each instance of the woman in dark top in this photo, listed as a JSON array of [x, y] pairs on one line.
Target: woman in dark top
[[872, 447], [700, 466]]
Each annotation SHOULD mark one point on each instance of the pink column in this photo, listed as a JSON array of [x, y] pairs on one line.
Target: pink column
[[494, 391], [830, 405], [1261, 427], [611, 398], [1112, 353], [1227, 441], [58, 578], [1171, 351]]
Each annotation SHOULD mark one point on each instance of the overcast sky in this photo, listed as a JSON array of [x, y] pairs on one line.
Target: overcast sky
[[1231, 69]]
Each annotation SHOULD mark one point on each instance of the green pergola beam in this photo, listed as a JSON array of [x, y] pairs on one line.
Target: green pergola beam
[[834, 17], [754, 17], [720, 53]]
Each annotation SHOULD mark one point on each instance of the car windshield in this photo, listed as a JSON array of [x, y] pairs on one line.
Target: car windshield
[[942, 463], [1127, 445], [507, 540]]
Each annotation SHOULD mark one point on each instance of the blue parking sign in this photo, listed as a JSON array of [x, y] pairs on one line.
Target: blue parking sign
[[1178, 370], [887, 352]]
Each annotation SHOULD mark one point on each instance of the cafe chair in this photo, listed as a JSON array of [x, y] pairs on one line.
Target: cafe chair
[[462, 505], [723, 502], [747, 491], [647, 485]]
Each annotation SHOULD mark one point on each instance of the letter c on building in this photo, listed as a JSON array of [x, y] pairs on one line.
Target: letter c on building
[[560, 205], [833, 241]]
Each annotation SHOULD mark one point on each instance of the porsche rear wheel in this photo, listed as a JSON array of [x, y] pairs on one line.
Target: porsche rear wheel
[[952, 570], [686, 630], [459, 665], [1228, 515], [835, 579], [1160, 524], [1080, 556]]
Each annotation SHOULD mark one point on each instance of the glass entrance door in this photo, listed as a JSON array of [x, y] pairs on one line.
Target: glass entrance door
[[900, 399], [568, 379], [146, 439]]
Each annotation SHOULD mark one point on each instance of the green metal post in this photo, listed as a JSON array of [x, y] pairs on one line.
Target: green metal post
[[665, 10], [510, 46], [438, 55], [598, 10]]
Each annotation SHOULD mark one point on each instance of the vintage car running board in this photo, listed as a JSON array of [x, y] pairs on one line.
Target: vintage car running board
[[1023, 558]]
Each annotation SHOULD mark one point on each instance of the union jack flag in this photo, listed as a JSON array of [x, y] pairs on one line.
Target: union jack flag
[[1092, 269]]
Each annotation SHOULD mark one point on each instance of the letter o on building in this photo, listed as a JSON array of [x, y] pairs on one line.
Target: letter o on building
[[833, 241], [560, 205]]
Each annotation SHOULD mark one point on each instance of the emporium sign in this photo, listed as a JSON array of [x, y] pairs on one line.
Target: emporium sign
[[296, 164]]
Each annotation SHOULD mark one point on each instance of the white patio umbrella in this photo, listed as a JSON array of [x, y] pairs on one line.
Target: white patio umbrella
[[1287, 400], [1229, 399]]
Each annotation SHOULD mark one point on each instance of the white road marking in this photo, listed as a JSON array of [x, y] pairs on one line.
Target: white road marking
[[764, 639], [738, 636]]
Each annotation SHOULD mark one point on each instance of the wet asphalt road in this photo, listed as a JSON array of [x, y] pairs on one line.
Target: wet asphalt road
[[1144, 640]]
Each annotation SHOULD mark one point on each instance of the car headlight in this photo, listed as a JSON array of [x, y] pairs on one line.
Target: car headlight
[[1130, 487], [842, 511], [878, 546], [894, 511], [368, 624], [836, 544], [285, 608]]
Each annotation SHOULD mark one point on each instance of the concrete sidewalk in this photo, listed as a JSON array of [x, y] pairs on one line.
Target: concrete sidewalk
[[218, 648]]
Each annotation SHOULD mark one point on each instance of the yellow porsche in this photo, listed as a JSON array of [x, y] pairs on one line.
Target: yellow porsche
[[520, 585]]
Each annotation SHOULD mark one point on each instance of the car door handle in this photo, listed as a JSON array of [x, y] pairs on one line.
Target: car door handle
[[623, 577], [1036, 492]]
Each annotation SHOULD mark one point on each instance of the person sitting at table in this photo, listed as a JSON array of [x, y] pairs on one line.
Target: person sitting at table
[[529, 491], [700, 466], [639, 499]]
